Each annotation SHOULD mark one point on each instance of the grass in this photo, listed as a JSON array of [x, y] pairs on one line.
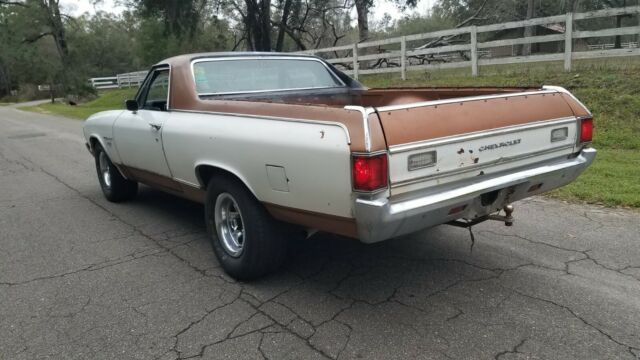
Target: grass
[[610, 88], [106, 100]]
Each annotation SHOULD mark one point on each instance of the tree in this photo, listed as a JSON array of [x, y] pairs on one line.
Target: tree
[[257, 22], [179, 16], [529, 30], [362, 9], [282, 27], [45, 22]]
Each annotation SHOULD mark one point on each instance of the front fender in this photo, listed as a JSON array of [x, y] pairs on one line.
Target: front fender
[[99, 128]]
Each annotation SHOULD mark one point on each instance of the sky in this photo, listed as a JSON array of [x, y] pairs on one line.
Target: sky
[[78, 7]]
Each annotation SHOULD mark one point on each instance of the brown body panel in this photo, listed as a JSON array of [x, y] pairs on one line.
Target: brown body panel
[[437, 121], [578, 109], [402, 96], [312, 220]]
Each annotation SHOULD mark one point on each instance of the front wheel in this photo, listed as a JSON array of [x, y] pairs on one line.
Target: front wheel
[[114, 186], [246, 240]]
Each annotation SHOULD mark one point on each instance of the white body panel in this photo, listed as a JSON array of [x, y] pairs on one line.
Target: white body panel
[[461, 157], [315, 157], [100, 127], [139, 140]]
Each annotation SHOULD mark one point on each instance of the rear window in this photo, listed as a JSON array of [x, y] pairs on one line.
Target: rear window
[[253, 75]]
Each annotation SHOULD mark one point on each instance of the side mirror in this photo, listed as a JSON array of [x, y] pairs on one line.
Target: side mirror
[[132, 105]]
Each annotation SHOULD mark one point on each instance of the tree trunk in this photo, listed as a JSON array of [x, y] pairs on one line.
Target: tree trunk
[[265, 25], [5, 81], [54, 19], [283, 24], [529, 30], [362, 8], [258, 25]]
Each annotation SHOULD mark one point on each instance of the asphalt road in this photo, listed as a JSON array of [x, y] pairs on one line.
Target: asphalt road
[[81, 278]]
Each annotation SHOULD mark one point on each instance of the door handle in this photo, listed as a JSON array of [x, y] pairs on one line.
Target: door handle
[[155, 127]]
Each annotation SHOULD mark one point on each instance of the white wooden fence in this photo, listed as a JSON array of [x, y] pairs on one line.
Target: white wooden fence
[[468, 51], [356, 59], [119, 81]]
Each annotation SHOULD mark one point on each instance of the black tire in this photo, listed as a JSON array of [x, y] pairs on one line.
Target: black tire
[[116, 188], [263, 247]]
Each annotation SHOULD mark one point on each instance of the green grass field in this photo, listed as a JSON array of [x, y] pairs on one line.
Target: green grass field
[[106, 100], [610, 88]]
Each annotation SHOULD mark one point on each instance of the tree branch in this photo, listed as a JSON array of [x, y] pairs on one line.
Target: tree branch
[[36, 37], [15, 3]]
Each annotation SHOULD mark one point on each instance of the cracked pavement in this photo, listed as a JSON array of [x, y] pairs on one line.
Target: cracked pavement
[[84, 278]]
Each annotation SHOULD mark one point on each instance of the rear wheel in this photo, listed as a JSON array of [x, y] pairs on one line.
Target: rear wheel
[[114, 186], [246, 240]]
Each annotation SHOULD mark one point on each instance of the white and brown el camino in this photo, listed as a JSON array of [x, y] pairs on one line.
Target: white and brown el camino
[[274, 142]]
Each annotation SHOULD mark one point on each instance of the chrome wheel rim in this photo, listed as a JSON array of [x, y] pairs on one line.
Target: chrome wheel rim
[[105, 173], [229, 224]]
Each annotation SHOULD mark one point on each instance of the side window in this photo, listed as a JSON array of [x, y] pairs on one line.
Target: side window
[[156, 94]]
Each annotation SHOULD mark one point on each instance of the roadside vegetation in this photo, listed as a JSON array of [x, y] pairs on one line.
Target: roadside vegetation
[[609, 88], [106, 100]]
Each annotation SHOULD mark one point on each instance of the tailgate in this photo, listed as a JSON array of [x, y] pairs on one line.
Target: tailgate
[[440, 142]]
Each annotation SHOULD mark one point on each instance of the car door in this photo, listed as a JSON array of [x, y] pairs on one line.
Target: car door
[[138, 134]]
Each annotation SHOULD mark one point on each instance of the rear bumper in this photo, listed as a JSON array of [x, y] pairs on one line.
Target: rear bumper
[[384, 218]]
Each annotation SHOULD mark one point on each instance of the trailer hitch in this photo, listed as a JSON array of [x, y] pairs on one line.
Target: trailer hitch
[[507, 218]]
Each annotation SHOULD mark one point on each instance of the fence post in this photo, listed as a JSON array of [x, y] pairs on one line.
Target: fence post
[[474, 50], [355, 61], [568, 41], [403, 57]]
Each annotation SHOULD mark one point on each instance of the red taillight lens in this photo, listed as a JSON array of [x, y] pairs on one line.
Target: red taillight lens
[[369, 172], [586, 130]]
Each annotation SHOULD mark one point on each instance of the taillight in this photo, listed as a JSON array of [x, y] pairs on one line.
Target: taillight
[[369, 172], [586, 130]]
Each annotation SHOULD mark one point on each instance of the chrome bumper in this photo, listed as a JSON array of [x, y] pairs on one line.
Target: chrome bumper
[[384, 218]]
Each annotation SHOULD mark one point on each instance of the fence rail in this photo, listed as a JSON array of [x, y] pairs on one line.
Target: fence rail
[[356, 59], [119, 81]]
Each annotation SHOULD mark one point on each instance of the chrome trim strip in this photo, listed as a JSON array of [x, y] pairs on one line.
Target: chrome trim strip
[[269, 90], [462, 99], [365, 122], [231, 58], [565, 91], [369, 154], [304, 121], [168, 106], [187, 183], [420, 145], [476, 167]]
